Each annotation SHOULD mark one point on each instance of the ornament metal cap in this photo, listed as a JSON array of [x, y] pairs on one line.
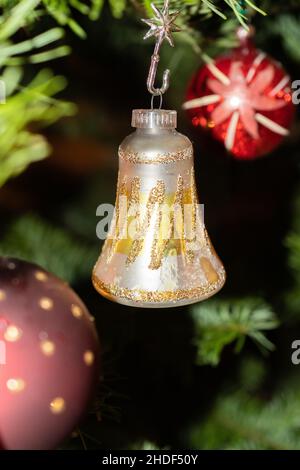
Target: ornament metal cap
[[154, 118]]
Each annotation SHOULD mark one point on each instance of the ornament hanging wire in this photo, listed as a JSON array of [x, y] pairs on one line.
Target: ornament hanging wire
[[161, 27], [160, 100]]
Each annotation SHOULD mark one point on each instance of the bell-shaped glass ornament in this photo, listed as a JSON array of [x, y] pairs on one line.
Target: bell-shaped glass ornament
[[157, 253]]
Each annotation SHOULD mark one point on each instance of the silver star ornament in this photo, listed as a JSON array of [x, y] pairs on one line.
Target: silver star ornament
[[163, 24]]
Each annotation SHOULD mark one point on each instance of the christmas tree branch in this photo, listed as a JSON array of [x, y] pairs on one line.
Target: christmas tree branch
[[219, 323], [240, 421], [27, 238]]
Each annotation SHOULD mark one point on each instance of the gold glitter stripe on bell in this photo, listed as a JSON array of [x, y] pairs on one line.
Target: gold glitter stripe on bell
[[157, 253]]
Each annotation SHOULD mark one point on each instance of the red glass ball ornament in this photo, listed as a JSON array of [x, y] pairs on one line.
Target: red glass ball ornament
[[244, 99], [48, 357]]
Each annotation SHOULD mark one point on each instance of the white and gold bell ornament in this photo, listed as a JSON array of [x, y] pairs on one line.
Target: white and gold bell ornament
[[157, 252]]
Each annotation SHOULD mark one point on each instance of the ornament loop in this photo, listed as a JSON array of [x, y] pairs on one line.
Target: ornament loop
[[160, 100]]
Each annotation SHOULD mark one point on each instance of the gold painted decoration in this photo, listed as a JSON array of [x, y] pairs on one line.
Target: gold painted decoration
[[157, 252], [170, 157], [150, 298]]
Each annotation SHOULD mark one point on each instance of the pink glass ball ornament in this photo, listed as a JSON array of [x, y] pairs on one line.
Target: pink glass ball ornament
[[49, 357]]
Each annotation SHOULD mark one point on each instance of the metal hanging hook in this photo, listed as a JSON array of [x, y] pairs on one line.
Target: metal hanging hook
[[153, 72], [161, 27]]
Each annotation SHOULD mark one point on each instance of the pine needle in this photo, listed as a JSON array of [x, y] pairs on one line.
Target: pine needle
[[219, 323]]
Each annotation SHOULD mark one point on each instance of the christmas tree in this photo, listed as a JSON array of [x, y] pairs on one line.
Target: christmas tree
[[221, 374]]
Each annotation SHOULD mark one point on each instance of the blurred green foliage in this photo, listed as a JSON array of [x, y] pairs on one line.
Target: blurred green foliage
[[27, 104], [32, 104], [242, 421], [219, 323], [30, 237]]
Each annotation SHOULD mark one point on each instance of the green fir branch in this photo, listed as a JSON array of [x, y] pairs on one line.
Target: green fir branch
[[219, 323], [33, 103], [287, 27], [239, 421], [223, 8], [15, 18], [64, 256], [16, 14], [12, 54]]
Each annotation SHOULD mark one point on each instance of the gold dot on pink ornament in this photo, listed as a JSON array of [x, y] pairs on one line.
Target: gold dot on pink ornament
[[12, 333], [57, 405], [47, 347], [41, 276], [89, 358], [76, 311], [46, 303], [11, 265], [2, 295], [15, 385]]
